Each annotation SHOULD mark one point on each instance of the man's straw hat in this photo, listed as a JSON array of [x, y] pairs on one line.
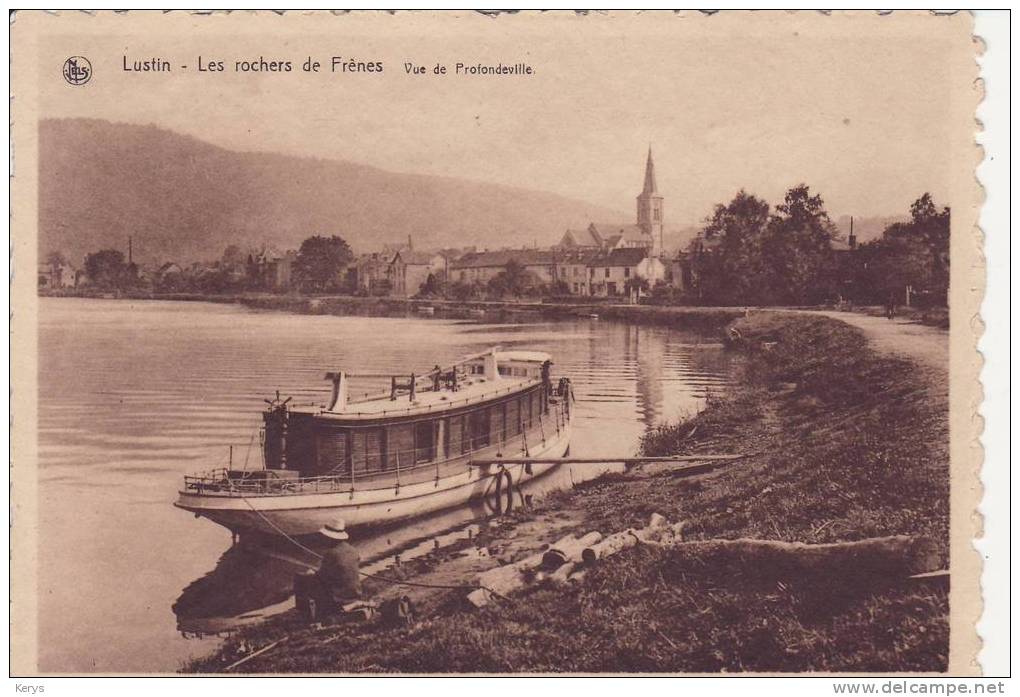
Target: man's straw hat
[[336, 530]]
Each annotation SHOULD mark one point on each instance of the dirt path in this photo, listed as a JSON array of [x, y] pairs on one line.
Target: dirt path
[[926, 345]]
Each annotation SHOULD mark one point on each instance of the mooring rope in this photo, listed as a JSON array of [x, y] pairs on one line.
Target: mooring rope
[[366, 574]]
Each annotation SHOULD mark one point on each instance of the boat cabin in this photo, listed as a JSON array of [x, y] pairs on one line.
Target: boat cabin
[[424, 426]]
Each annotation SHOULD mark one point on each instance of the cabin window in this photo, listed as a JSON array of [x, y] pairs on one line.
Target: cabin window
[[497, 425], [332, 452], [478, 423], [366, 450], [626, 272], [536, 405], [505, 370], [399, 446], [513, 418], [455, 436], [424, 441]]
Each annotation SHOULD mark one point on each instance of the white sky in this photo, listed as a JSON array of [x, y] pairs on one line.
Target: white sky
[[860, 115]]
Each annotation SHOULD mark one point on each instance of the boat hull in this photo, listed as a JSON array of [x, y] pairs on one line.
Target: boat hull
[[305, 514]]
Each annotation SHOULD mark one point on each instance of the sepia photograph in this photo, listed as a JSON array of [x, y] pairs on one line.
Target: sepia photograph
[[468, 343]]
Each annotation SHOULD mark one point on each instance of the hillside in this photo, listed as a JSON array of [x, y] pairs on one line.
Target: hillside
[[184, 199]]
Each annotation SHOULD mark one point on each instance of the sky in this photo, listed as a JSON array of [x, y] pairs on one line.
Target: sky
[[861, 112]]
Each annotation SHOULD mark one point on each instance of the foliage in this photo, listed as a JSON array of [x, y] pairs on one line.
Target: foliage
[[560, 288], [106, 269], [734, 273], [321, 262], [915, 254], [797, 250], [233, 257], [434, 286], [56, 258], [514, 281], [749, 257], [463, 290]]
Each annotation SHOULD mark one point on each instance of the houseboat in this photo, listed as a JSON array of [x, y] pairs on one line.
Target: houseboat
[[430, 442]]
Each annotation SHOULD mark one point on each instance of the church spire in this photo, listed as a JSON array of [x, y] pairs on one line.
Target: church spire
[[650, 187], [649, 209]]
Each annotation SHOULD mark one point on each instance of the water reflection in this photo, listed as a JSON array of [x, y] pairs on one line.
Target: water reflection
[[135, 394], [253, 579]]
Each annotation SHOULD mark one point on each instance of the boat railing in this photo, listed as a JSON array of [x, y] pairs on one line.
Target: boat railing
[[251, 483], [446, 404]]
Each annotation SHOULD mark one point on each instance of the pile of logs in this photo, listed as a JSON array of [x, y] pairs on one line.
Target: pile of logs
[[567, 559]]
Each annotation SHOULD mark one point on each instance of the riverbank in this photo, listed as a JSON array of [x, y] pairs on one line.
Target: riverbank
[[693, 318], [842, 443]]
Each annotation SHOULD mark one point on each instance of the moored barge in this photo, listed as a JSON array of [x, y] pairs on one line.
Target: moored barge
[[429, 443]]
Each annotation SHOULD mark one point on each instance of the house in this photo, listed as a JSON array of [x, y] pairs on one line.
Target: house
[[58, 275], [370, 273], [408, 271], [271, 269], [169, 274], [482, 267], [615, 273], [572, 269]]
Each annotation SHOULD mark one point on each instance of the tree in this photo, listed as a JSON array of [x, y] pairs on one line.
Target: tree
[[106, 268], [233, 257], [733, 273], [56, 258], [913, 253], [321, 261], [514, 280], [434, 286], [797, 255]]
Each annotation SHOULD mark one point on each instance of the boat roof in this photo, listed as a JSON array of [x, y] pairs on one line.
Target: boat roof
[[525, 356], [473, 390]]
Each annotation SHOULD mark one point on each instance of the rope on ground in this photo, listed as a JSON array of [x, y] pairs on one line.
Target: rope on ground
[[461, 586]]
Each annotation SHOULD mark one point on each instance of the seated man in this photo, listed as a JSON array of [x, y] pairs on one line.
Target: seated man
[[338, 572]]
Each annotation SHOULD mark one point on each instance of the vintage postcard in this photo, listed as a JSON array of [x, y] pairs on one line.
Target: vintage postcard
[[573, 343]]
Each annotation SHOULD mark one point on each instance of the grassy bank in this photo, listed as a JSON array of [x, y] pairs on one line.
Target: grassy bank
[[844, 444]]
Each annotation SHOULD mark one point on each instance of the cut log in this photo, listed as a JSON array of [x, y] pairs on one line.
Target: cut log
[[563, 573], [504, 579], [657, 533], [899, 555], [610, 545], [568, 549]]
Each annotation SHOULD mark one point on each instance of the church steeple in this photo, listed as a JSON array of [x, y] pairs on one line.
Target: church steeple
[[649, 208], [650, 187]]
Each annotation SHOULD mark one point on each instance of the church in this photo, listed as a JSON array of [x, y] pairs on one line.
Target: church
[[645, 233], [615, 255]]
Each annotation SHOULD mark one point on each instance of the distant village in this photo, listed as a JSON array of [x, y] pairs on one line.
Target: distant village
[[727, 262]]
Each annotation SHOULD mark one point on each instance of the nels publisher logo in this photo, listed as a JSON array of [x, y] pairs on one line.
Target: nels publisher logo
[[77, 70]]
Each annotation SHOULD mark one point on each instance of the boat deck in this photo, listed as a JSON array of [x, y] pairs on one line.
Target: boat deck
[[471, 390]]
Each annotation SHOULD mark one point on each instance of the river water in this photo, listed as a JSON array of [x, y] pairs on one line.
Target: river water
[[135, 394]]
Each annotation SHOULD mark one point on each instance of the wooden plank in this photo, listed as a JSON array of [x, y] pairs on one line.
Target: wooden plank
[[598, 460]]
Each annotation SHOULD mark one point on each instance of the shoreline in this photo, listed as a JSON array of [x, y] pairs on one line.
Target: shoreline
[[830, 428], [700, 318], [690, 317]]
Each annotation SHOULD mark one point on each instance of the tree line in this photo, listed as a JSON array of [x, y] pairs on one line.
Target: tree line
[[319, 265], [752, 254]]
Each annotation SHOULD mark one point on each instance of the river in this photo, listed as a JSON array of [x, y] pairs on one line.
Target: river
[[134, 394]]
